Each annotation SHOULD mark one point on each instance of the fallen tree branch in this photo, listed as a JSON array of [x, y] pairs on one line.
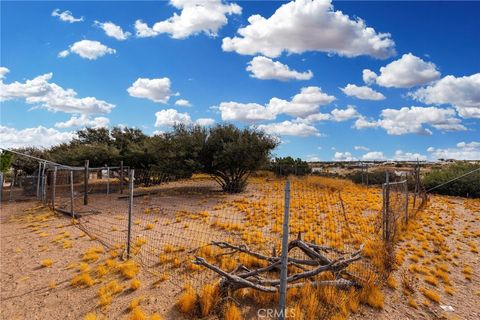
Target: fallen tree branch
[[242, 277]]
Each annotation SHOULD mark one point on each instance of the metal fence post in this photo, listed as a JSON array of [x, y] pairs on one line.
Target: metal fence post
[[38, 178], [366, 171], [131, 178], [43, 182], [85, 183], [71, 194], [54, 187], [406, 202], [121, 176], [108, 180], [284, 258], [387, 205], [1, 186]]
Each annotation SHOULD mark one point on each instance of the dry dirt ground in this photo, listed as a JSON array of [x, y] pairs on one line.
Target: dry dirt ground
[[447, 234]]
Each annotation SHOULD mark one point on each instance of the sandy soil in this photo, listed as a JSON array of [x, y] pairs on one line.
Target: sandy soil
[[30, 291], [449, 216]]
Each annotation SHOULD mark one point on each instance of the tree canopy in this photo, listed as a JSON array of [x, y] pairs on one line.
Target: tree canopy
[[231, 155], [227, 153]]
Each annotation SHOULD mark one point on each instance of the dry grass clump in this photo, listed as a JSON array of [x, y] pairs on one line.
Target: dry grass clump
[[431, 280], [232, 312], [149, 226], [430, 294], [449, 290], [92, 254], [82, 279], [156, 316], [135, 284], [187, 301], [90, 316], [107, 292], [137, 314], [129, 269], [392, 282], [412, 303], [46, 263], [208, 297]]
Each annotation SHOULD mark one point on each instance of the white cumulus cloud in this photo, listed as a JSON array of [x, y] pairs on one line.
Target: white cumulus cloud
[[183, 103], [363, 92], [84, 121], [39, 91], [373, 156], [245, 112], [413, 120], [369, 76], [345, 114], [205, 122], [461, 92], [32, 137], [156, 90], [309, 25], [66, 16], [305, 103], [196, 16], [462, 151], [3, 72], [112, 30], [171, 117], [409, 156], [87, 49], [266, 69], [407, 72], [344, 156], [361, 148], [302, 104], [289, 128]]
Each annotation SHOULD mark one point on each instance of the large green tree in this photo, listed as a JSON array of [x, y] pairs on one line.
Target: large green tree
[[231, 154]]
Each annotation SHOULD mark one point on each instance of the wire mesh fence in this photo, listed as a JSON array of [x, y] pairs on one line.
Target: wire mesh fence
[[189, 232]]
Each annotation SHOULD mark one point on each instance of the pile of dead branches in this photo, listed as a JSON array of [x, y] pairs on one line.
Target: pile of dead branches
[[314, 261]]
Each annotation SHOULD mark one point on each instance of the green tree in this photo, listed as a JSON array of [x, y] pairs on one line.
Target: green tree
[[231, 154], [287, 166], [26, 164], [5, 161], [468, 186]]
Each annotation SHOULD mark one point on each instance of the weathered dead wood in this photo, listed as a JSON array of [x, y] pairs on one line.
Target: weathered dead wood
[[242, 277], [245, 249]]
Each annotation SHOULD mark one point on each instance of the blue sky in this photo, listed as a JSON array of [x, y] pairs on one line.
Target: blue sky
[[305, 59]]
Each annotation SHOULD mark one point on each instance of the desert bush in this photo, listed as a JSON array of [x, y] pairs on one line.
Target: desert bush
[[231, 154], [374, 177], [468, 186], [288, 166]]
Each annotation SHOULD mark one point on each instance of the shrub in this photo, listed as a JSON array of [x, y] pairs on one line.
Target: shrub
[[287, 166], [231, 154], [468, 186], [374, 177]]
